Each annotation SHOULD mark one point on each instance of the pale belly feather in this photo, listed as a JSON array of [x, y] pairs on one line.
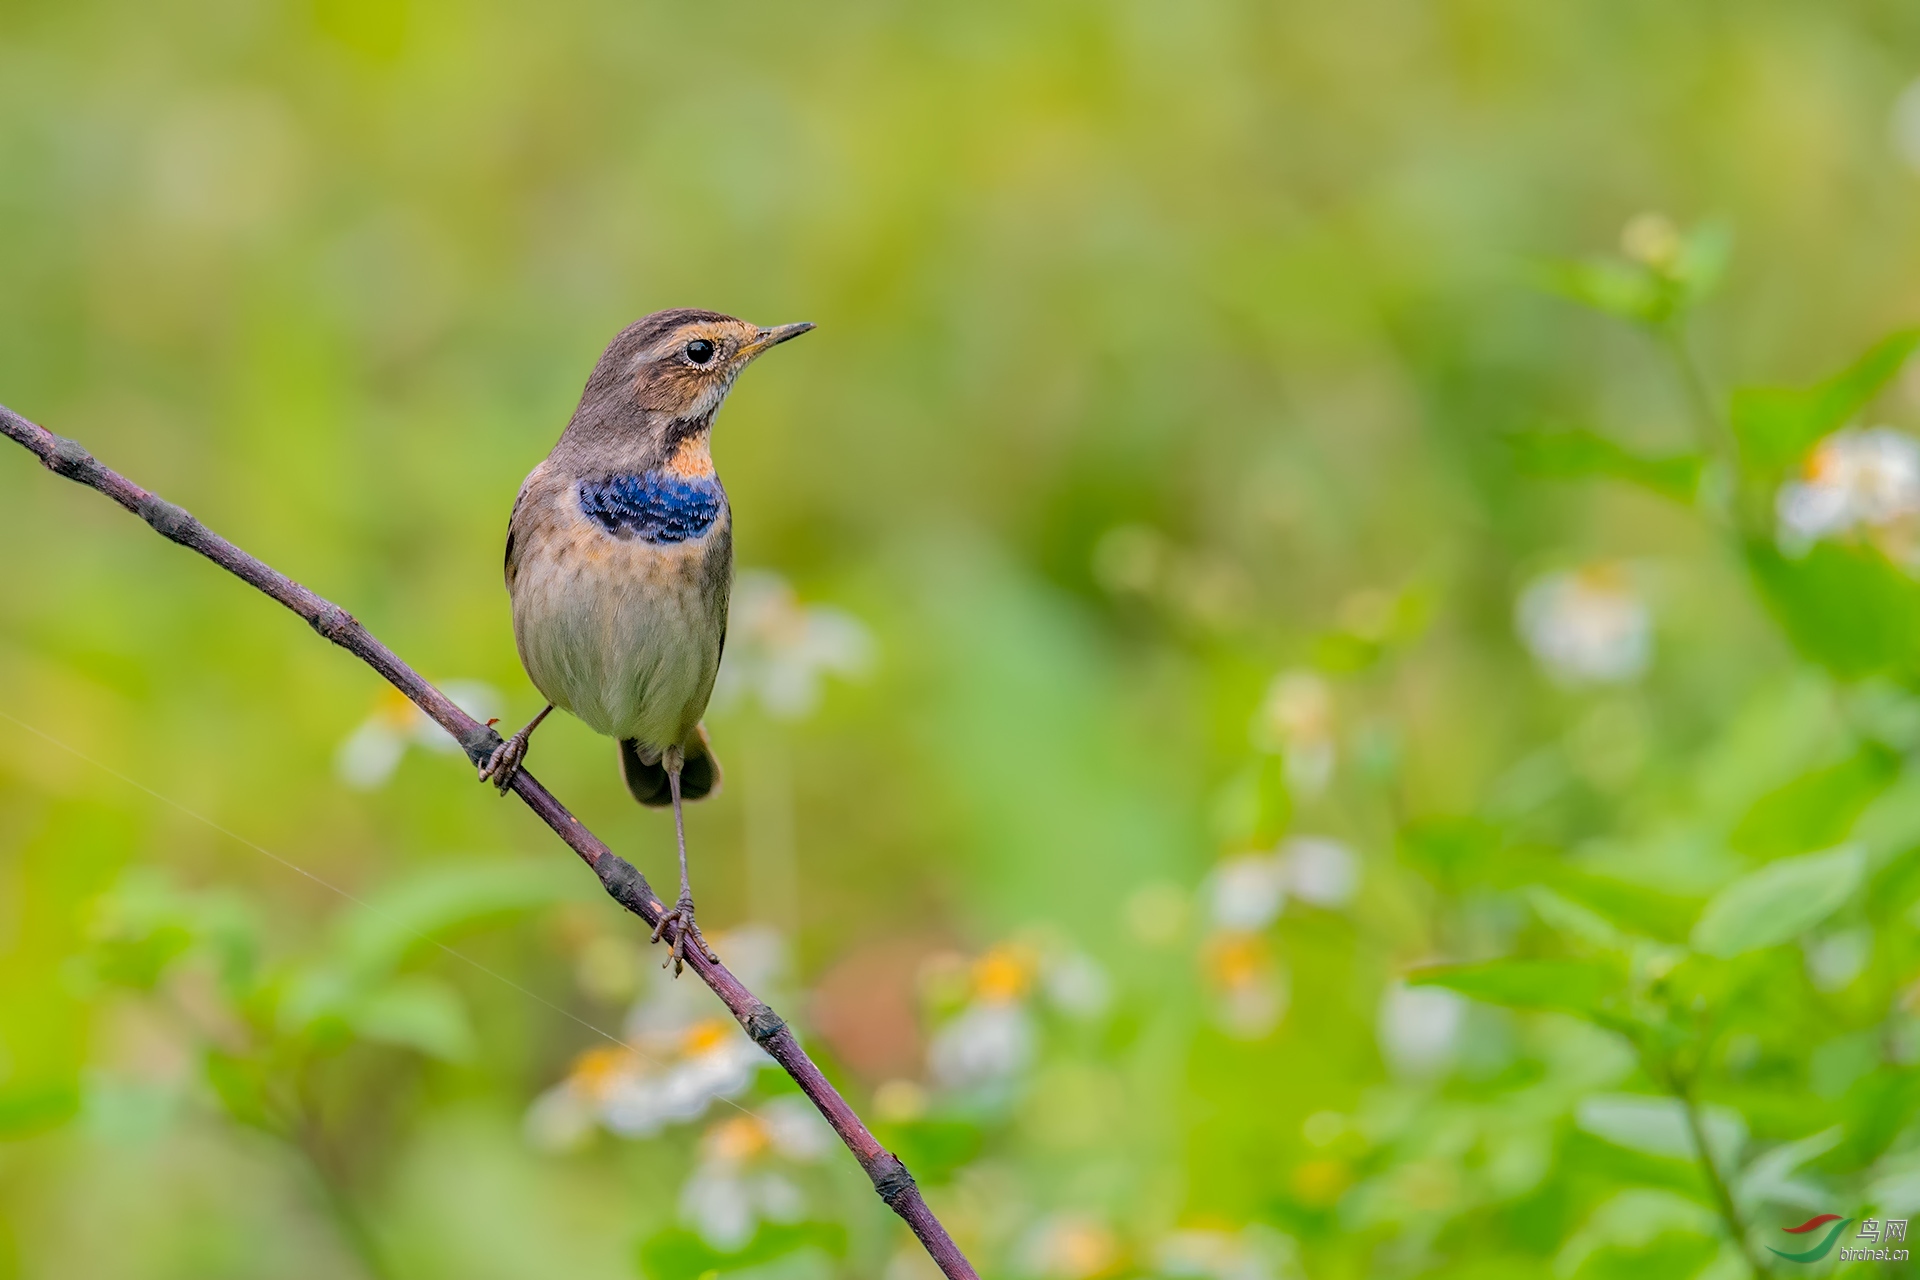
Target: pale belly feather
[[623, 633]]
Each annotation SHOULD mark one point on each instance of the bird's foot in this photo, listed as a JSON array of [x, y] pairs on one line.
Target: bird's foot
[[681, 920], [502, 766]]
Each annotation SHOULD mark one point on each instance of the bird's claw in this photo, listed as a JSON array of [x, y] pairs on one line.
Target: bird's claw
[[681, 918], [504, 764]]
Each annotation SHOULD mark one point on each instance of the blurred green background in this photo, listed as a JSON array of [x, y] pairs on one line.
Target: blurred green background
[[1207, 570]]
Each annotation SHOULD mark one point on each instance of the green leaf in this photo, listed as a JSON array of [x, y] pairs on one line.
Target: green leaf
[[1636, 907], [1817, 809], [376, 936], [1779, 902], [1843, 607], [1572, 920], [1634, 1220], [1578, 454], [1570, 986], [1651, 295], [1657, 1126], [1890, 825], [417, 1012], [145, 923], [1768, 1178], [1448, 848], [32, 1107], [1609, 285], [679, 1254], [1777, 425]]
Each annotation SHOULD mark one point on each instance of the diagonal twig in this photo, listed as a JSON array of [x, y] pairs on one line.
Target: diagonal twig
[[619, 877]]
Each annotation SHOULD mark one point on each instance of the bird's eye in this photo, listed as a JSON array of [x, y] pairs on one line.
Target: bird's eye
[[699, 351]]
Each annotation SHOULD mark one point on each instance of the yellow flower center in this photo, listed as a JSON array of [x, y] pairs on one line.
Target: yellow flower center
[[704, 1036], [1004, 974]]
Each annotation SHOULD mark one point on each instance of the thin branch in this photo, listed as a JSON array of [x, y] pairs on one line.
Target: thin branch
[[618, 876], [1716, 434], [1722, 488], [1722, 1195], [347, 1218]]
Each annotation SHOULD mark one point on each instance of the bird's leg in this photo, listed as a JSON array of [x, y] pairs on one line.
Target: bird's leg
[[504, 763], [682, 914]]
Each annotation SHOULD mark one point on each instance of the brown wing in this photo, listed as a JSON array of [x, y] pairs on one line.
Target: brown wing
[[513, 531]]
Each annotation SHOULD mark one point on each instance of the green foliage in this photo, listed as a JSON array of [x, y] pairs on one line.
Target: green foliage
[[1816, 809], [682, 1255], [30, 1108], [1777, 903], [1843, 607], [1580, 454], [1664, 281], [1777, 426], [934, 1148], [375, 936], [1573, 986], [1319, 910]]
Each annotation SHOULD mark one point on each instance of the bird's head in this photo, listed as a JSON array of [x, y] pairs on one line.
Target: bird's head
[[669, 373]]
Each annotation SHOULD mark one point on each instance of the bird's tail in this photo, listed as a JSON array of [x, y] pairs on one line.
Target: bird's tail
[[699, 775]]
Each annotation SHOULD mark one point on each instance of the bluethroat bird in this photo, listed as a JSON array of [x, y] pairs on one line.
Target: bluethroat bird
[[620, 562]]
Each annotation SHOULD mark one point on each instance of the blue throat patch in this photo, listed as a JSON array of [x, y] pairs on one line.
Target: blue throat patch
[[652, 507]]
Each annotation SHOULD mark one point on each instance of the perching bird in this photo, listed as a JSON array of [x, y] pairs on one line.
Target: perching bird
[[620, 561]]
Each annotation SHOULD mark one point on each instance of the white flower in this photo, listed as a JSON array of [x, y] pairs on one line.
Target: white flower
[[1077, 985], [1587, 626], [636, 1091], [678, 1059], [737, 1185], [1419, 1028], [1320, 870], [778, 649], [989, 1042], [1249, 985], [1853, 479], [992, 1039], [1297, 719], [370, 754], [716, 1060], [1246, 892]]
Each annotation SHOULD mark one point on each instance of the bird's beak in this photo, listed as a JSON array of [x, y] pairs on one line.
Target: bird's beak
[[775, 336]]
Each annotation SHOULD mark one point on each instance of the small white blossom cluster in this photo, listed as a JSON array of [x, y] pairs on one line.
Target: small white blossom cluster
[[742, 1178], [993, 1035], [1248, 891], [1244, 895], [677, 1060], [1296, 719], [1858, 480], [1587, 626], [637, 1091]]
